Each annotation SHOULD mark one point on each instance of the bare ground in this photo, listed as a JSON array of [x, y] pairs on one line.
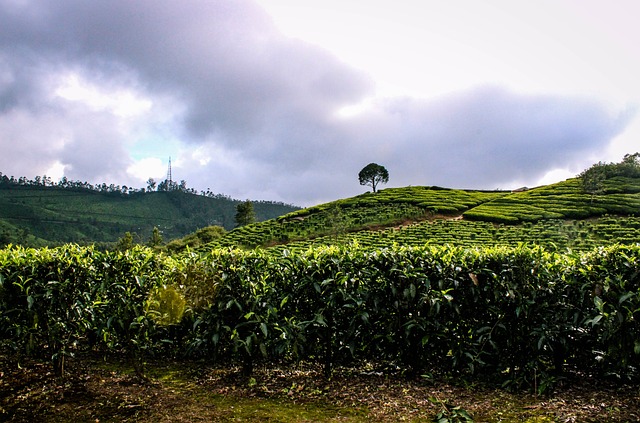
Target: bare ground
[[105, 390]]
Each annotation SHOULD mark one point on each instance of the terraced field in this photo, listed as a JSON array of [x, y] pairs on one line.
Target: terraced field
[[553, 234], [557, 216], [564, 200]]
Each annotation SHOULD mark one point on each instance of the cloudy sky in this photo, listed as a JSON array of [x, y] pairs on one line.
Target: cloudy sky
[[287, 100]]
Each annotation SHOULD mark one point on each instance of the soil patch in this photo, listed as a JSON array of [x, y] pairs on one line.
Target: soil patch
[[96, 389]]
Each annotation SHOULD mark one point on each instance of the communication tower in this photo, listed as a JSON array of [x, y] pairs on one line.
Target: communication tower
[[169, 180]]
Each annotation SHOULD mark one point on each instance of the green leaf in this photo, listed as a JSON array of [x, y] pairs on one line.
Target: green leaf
[[598, 303], [541, 342], [625, 297], [320, 319], [595, 320], [483, 330], [284, 301]]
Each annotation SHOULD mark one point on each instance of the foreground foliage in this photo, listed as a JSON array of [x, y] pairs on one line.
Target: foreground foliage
[[520, 317]]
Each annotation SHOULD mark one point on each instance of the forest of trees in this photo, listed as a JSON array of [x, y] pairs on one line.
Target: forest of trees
[[46, 181], [152, 186]]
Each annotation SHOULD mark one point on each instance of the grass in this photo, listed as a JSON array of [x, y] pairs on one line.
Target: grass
[[235, 404]]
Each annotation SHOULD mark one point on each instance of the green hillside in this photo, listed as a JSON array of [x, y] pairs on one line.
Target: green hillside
[[564, 200], [561, 215], [365, 212], [45, 215], [599, 207]]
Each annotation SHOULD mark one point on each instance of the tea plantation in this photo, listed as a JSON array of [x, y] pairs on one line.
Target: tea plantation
[[515, 289], [559, 216]]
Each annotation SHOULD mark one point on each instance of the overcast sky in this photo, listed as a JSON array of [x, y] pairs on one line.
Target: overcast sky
[[287, 100]]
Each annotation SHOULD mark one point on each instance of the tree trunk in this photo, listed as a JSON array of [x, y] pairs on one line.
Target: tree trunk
[[328, 349], [247, 365], [58, 364]]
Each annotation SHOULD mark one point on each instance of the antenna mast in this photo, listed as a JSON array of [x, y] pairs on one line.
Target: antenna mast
[[169, 180]]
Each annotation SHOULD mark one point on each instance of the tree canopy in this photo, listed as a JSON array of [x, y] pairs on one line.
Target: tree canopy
[[593, 178], [245, 214], [372, 174]]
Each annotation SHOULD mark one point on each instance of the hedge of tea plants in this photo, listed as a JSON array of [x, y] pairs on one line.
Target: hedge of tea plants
[[553, 234], [563, 200], [521, 317], [386, 207], [547, 215]]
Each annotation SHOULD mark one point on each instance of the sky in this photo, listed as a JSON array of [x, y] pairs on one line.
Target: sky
[[287, 100]]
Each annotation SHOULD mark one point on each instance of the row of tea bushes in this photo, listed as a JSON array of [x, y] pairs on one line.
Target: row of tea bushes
[[386, 207], [510, 225], [326, 222], [517, 316], [55, 301], [553, 234], [394, 206], [431, 198], [564, 200]]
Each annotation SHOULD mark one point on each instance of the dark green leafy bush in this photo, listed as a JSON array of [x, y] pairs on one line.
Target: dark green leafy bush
[[519, 316]]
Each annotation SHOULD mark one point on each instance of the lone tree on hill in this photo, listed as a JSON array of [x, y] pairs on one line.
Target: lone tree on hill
[[155, 240], [372, 174]]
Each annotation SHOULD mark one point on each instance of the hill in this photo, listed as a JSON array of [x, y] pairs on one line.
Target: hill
[[561, 215], [564, 200], [38, 215], [598, 207]]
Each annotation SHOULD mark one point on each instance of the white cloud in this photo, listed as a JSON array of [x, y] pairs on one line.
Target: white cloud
[[56, 171], [151, 167], [121, 102], [426, 48]]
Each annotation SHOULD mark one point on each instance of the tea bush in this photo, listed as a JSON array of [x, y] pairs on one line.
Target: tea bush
[[519, 316]]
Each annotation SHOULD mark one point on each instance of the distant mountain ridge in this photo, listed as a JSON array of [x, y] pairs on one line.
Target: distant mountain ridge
[[40, 214]]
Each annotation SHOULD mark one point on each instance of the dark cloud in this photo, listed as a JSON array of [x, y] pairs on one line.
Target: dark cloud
[[237, 79], [484, 139], [256, 111], [94, 146], [224, 60]]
